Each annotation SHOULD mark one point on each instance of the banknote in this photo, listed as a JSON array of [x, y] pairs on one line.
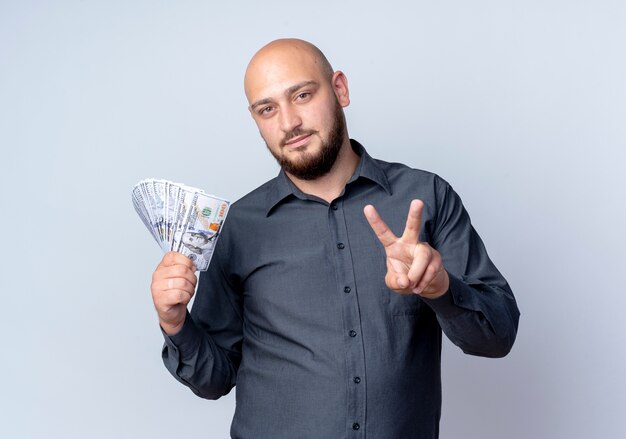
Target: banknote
[[181, 218]]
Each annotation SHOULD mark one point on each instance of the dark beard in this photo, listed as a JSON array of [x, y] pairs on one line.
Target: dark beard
[[311, 166]]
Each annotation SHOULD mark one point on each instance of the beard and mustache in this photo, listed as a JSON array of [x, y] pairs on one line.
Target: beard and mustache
[[309, 166]]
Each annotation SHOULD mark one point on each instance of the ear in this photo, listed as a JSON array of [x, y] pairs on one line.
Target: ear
[[340, 87]]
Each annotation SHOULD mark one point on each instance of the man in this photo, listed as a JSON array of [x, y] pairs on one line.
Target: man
[[327, 321]]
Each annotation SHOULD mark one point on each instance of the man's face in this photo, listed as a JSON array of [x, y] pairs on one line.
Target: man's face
[[298, 112], [193, 239]]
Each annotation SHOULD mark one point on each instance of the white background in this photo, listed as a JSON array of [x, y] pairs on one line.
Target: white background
[[520, 105]]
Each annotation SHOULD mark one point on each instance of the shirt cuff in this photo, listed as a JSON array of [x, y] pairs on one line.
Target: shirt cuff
[[186, 340], [452, 302]]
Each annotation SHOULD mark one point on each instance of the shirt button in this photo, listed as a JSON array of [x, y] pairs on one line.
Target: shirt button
[[333, 207], [347, 289], [340, 246], [355, 426], [352, 333], [357, 380]]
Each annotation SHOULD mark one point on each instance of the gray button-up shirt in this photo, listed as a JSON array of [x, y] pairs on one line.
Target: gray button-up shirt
[[294, 310]]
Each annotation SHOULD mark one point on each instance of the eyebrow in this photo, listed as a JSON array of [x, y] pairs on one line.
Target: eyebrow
[[289, 91]]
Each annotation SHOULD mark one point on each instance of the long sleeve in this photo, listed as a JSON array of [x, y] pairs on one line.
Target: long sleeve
[[205, 354], [478, 313]]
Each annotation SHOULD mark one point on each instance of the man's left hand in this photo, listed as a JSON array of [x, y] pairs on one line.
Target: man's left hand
[[412, 266]]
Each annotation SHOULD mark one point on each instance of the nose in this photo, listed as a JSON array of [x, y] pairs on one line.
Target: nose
[[289, 118]]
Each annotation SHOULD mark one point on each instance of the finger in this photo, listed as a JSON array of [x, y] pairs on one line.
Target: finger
[[176, 283], [413, 222], [164, 288], [174, 258], [431, 272], [428, 280], [422, 257], [382, 231], [397, 282], [175, 271], [170, 298]]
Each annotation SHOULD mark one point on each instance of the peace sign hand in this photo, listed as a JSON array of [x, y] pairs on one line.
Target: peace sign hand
[[412, 266]]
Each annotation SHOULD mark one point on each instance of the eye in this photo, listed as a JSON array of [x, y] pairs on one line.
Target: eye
[[265, 110], [303, 96]]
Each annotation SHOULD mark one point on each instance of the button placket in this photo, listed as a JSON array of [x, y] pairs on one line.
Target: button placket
[[355, 355]]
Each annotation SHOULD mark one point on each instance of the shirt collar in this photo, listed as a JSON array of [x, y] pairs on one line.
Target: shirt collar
[[281, 187]]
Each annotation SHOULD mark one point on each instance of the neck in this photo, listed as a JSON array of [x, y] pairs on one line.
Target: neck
[[330, 186]]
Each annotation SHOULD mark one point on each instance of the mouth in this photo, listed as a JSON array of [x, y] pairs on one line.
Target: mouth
[[298, 141]]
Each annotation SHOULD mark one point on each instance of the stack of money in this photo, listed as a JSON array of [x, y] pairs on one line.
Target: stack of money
[[181, 218]]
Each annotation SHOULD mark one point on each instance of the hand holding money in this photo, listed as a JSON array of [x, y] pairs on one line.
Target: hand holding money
[[186, 222], [173, 285]]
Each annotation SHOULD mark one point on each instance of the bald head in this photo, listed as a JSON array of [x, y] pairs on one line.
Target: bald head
[[276, 60], [297, 102]]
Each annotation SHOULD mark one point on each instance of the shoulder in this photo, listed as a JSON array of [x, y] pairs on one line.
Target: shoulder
[[408, 183], [402, 175], [254, 202]]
